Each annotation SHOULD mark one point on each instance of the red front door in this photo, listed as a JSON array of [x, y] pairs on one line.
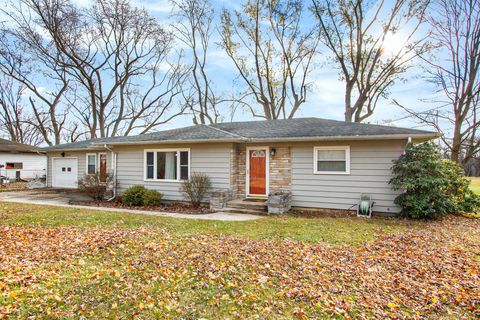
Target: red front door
[[257, 169]]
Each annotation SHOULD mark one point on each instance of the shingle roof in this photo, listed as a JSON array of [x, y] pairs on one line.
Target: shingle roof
[[79, 145], [15, 147], [199, 132], [289, 129], [309, 127], [191, 133]]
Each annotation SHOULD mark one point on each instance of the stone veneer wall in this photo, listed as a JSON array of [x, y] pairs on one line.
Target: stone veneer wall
[[234, 169], [280, 169], [242, 167]]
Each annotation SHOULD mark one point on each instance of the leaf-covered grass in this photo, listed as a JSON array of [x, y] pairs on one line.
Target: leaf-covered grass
[[333, 230], [60, 263], [475, 184]]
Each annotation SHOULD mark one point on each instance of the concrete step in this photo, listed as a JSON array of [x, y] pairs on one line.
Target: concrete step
[[251, 205]]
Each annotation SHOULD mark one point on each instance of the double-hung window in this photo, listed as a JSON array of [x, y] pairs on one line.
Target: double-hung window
[[91, 163], [167, 164], [331, 160]]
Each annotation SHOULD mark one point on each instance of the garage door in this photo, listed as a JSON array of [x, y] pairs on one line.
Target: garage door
[[64, 173]]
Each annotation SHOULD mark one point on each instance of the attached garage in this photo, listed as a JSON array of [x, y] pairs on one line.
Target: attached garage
[[64, 172]]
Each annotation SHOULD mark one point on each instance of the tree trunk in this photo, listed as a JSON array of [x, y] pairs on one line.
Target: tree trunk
[[348, 102], [456, 143]]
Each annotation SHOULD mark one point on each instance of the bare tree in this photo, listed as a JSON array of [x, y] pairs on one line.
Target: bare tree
[[114, 58], [27, 58], [194, 29], [359, 35], [15, 121], [272, 48], [456, 30]]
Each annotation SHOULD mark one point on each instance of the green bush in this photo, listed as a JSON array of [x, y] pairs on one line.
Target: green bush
[[138, 196], [196, 188], [432, 186], [470, 202], [152, 197], [133, 196]]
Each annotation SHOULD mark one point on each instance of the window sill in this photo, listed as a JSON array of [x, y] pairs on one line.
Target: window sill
[[331, 172], [160, 180]]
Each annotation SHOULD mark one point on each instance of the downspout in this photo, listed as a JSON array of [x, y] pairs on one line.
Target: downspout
[[409, 140], [114, 165]]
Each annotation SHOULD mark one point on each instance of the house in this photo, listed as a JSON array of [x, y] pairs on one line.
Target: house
[[323, 163], [21, 161]]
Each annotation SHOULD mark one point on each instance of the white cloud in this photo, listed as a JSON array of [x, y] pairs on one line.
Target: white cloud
[[155, 6]]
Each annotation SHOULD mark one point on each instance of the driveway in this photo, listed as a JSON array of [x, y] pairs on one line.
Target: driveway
[[62, 198], [52, 197]]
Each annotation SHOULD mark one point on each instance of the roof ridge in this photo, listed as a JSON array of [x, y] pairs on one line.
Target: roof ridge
[[225, 131]]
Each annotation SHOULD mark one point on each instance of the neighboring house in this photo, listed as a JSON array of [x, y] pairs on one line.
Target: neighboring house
[[324, 163], [21, 161]]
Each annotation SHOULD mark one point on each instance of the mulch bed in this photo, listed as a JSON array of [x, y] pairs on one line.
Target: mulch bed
[[171, 206]]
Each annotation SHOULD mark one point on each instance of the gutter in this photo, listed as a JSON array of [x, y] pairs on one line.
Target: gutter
[[72, 149], [143, 142], [114, 165]]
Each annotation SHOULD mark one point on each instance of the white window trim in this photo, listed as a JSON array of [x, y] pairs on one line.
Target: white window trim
[[178, 150], [96, 162], [347, 159]]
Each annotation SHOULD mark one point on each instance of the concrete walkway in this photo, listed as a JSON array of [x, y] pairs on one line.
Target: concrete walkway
[[62, 199]]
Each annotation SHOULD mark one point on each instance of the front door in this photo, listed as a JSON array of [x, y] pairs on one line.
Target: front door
[[257, 172], [103, 167]]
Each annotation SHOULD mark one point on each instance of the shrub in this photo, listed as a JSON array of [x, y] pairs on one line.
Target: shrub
[[470, 202], [91, 185], [133, 196], [432, 186], [196, 188], [152, 197]]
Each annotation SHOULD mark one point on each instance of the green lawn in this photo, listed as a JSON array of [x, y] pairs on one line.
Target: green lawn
[[475, 184], [58, 263]]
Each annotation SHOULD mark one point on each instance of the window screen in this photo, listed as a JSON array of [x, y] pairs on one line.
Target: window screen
[[167, 165], [331, 160], [91, 163]]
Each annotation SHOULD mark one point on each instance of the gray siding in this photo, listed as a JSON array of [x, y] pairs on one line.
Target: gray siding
[[370, 164], [211, 159], [81, 162], [370, 172]]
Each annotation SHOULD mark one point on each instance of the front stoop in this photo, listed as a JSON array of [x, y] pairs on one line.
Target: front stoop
[[242, 205]]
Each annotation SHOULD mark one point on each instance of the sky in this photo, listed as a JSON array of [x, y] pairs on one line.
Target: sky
[[325, 99]]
